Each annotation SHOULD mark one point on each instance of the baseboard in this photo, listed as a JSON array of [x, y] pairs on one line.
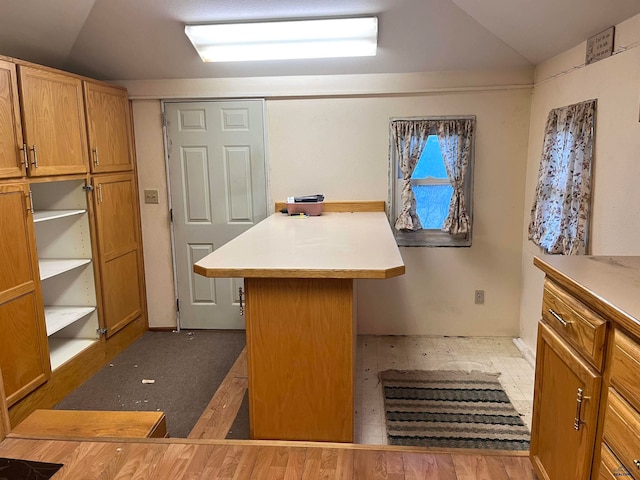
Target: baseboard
[[526, 352]]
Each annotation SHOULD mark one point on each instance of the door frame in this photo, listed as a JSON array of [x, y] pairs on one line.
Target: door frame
[[163, 103]]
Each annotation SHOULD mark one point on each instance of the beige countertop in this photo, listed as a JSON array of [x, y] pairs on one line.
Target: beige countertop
[[332, 245], [611, 282]]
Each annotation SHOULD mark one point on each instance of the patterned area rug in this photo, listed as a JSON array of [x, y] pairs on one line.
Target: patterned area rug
[[450, 409]]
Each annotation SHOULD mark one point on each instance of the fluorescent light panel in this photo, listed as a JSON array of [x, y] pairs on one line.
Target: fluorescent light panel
[[336, 37]]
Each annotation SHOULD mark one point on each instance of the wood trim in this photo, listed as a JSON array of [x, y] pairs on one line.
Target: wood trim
[[298, 273], [5, 424], [355, 206]]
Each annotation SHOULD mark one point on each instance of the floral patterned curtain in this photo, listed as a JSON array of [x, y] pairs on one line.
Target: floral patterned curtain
[[454, 137], [409, 139], [561, 205]]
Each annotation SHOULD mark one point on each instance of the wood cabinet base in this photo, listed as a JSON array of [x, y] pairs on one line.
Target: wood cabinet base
[[76, 371], [300, 353]]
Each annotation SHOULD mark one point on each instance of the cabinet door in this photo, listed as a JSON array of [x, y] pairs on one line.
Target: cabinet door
[[109, 127], [12, 160], [53, 122], [23, 339], [565, 410], [119, 253]]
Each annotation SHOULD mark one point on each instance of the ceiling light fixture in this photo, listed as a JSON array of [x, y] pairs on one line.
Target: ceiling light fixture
[[321, 38]]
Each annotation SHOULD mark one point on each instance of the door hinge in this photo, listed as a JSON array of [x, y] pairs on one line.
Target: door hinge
[[164, 119], [171, 215], [29, 199], [177, 304], [88, 187], [101, 331]]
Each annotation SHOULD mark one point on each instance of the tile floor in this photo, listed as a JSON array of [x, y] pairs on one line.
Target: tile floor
[[487, 354]]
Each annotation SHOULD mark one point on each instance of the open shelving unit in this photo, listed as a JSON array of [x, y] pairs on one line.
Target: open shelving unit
[[65, 260]]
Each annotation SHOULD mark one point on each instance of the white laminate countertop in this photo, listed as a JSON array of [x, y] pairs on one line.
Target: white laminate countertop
[[332, 245], [610, 281]]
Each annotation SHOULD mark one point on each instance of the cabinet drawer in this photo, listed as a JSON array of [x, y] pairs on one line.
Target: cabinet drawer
[[622, 432], [625, 368], [575, 322], [610, 466]]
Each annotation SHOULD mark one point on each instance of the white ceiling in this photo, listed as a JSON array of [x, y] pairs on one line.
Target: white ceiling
[[144, 39]]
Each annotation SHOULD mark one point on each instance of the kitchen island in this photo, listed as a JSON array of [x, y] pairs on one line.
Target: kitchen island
[[301, 314]]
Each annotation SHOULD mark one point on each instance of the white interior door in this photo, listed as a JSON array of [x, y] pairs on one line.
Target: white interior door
[[217, 175]]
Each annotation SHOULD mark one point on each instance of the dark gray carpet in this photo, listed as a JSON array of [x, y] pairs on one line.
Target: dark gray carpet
[[187, 368]]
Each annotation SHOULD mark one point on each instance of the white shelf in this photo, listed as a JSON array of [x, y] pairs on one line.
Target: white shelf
[[50, 267], [63, 349], [44, 215], [57, 318]]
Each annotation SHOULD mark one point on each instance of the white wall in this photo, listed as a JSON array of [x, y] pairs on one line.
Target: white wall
[[156, 241], [615, 223], [336, 141]]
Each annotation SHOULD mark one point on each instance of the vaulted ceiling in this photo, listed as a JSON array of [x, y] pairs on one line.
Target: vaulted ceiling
[[144, 39]]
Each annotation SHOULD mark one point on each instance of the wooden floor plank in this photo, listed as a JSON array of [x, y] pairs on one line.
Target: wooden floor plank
[[479, 467], [218, 416], [428, 467], [518, 468], [177, 459]]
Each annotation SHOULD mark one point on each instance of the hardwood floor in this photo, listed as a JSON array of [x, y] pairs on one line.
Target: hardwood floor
[[228, 459], [218, 416]]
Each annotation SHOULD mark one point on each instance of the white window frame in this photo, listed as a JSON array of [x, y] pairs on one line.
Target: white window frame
[[428, 237]]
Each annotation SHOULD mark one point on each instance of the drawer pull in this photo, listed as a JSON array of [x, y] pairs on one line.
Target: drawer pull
[[559, 318], [578, 420], [637, 463]]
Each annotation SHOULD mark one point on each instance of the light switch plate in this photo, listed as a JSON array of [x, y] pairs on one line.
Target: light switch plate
[[151, 196]]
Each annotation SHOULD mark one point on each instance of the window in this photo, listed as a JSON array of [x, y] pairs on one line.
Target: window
[[431, 181]]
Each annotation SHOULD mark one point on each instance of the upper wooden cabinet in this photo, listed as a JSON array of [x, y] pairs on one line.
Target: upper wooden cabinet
[[12, 159], [109, 128], [53, 122]]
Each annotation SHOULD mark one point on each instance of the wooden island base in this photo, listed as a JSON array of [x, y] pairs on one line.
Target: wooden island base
[[300, 351]]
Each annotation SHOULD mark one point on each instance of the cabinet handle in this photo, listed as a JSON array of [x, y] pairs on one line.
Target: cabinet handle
[[25, 156], [579, 399], [96, 160], [99, 193], [564, 323], [35, 156], [241, 295], [636, 462]]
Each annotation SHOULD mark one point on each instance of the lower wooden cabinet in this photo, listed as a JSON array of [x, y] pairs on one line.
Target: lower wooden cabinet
[[117, 225], [565, 409], [23, 342]]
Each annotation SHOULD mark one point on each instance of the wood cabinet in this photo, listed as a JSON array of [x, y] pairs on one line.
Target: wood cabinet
[[23, 346], [12, 150], [591, 323], [565, 410], [117, 225], [621, 424], [61, 295], [108, 127], [53, 122]]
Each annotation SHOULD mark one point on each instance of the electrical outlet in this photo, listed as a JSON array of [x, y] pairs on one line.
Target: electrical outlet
[[479, 297], [151, 196]]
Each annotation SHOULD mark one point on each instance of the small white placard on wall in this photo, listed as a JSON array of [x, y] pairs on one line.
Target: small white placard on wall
[[600, 46]]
